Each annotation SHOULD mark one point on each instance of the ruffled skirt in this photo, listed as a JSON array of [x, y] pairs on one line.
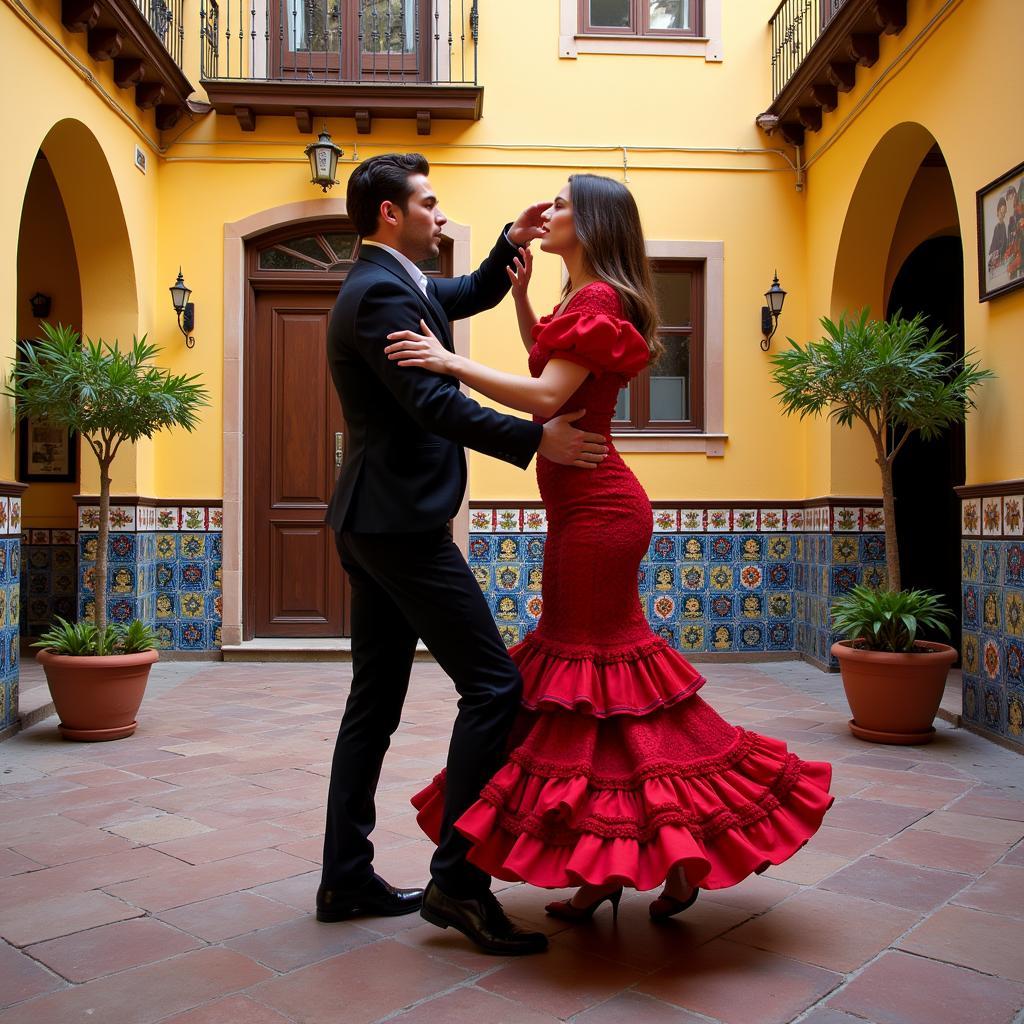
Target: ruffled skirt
[[617, 772]]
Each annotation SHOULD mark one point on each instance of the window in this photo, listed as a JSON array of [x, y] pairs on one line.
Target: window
[[640, 17], [668, 396]]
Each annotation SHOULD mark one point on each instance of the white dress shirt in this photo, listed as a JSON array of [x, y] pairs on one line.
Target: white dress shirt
[[418, 277]]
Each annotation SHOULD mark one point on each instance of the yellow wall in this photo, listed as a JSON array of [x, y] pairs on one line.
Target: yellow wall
[[830, 243]]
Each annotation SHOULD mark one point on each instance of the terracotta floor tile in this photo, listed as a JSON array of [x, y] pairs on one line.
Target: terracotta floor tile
[[972, 826], [872, 816], [826, 1016], [755, 893], [990, 807], [972, 938], [561, 982], [892, 761], [151, 830], [12, 863], [301, 942], [232, 1010], [473, 1006], [374, 981], [112, 812], [145, 994], [894, 882], [930, 849], [843, 842], [111, 948], [298, 891], [22, 978], [639, 942], [176, 887], [807, 867], [738, 984], [999, 891], [71, 848], [224, 917], [1015, 856], [27, 923], [633, 1007], [902, 989], [828, 929], [219, 844]]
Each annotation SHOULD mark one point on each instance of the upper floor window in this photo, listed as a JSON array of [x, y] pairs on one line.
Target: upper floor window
[[640, 17], [669, 394]]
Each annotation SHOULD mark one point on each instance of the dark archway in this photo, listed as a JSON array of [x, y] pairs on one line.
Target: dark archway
[[931, 281]]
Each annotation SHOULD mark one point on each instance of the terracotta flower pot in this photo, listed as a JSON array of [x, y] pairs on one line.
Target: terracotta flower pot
[[894, 697], [97, 698]]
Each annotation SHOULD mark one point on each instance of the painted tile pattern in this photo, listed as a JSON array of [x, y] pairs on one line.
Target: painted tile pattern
[[164, 568], [716, 580], [49, 578], [10, 607], [992, 580]]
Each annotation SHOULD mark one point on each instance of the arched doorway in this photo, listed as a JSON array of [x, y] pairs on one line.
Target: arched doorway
[[293, 428]]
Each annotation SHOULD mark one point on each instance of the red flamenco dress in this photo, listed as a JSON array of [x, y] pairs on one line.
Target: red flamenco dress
[[616, 770]]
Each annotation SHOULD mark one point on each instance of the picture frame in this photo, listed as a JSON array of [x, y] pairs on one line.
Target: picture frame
[[1000, 211], [46, 454]]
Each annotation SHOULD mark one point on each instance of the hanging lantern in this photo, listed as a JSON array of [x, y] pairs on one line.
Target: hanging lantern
[[323, 160]]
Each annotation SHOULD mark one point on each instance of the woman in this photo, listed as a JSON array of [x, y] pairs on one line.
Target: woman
[[617, 773]]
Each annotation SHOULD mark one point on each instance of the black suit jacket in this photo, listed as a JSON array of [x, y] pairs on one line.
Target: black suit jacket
[[405, 467]]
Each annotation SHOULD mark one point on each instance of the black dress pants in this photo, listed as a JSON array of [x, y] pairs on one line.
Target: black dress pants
[[404, 587]]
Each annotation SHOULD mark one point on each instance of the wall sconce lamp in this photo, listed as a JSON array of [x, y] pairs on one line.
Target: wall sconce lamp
[[186, 310], [775, 297], [40, 304], [323, 160]]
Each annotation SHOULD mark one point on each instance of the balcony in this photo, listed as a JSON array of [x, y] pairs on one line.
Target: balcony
[[817, 46], [145, 41], [364, 59]]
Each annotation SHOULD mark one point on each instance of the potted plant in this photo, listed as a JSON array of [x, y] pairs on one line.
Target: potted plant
[[895, 378], [97, 672]]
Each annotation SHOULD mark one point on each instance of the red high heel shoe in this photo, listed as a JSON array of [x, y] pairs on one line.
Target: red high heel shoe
[[566, 910], [665, 906]]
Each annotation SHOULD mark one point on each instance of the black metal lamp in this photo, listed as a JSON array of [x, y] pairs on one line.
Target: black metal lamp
[[40, 304], [775, 297], [180, 293], [323, 160]]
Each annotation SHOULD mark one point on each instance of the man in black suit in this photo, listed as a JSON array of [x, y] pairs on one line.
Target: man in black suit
[[402, 481]]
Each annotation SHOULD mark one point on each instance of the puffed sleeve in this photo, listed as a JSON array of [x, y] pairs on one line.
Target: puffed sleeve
[[591, 335]]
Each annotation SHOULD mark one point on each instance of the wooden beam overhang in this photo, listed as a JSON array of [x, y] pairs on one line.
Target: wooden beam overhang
[[249, 99], [117, 30]]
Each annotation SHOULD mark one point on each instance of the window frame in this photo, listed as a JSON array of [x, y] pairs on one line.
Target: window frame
[[640, 421], [639, 23]]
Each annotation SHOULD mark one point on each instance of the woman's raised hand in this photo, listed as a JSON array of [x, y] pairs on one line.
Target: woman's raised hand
[[423, 350], [521, 273]]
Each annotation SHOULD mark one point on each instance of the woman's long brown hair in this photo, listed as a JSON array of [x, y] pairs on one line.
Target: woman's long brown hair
[[607, 224]]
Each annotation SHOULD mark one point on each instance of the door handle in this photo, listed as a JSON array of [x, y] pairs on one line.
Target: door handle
[[339, 449]]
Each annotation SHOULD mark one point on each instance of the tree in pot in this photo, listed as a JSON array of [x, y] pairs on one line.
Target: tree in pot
[[97, 672], [896, 378]]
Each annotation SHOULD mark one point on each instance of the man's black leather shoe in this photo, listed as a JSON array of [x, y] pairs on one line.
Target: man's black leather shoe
[[374, 899], [482, 921]]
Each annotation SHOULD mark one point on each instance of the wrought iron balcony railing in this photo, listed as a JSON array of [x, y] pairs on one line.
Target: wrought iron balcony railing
[[414, 42], [166, 19], [796, 26]]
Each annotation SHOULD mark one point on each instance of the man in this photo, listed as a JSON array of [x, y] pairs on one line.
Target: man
[[402, 481]]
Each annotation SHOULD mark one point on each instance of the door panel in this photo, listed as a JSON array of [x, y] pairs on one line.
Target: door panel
[[293, 417]]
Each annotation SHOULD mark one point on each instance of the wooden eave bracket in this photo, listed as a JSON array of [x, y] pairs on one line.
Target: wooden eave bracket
[[849, 41]]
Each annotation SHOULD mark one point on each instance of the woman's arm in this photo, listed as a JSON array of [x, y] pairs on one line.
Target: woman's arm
[[520, 278], [542, 396]]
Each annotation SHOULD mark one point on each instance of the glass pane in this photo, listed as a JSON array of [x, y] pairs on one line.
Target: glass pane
[[312, 25], [609, 13], [670, 14], [388, 26], [670, 381], [622, 405], [673, 293], [278, 259], [433, 264], [342, 243], [309, 246]]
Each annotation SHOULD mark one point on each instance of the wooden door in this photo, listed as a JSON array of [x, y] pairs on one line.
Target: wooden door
[[293, 417]]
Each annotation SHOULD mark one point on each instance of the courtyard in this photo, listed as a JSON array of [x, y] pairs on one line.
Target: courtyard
[[170, 877]]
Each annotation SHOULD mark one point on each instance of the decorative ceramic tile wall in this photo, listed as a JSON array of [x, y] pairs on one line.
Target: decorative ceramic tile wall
[[992, 578], [49, 578], [10, 607], [716, 579], [164, 568]]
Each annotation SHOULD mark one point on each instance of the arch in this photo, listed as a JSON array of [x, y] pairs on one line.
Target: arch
[[237, 235], [872, 216], [106, 267]]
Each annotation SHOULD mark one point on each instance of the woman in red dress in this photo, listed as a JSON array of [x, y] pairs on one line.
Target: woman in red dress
[[618, 773]]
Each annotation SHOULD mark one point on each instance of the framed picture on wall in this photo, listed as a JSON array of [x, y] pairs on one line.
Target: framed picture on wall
[[1001, 235], [46, 453]]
